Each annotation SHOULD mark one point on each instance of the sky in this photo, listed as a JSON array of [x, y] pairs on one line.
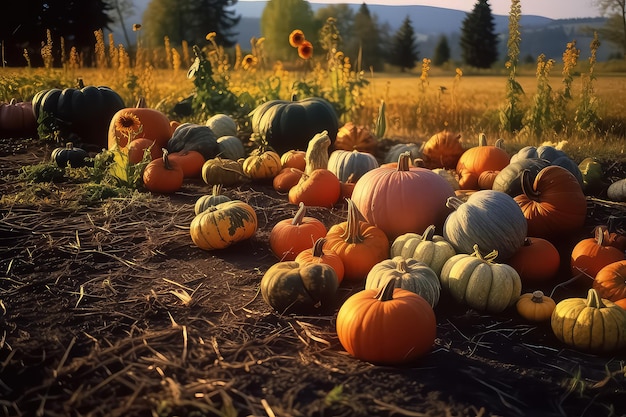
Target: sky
[[555, 9]]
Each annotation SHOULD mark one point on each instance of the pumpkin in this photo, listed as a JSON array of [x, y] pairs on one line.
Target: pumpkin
[[509, 179], [223, 171], [615, 239], [442, 150], [480, 282], [351, 163], [286, 125], [286, 179], [262, 165], [210, 200], [86, 111], [223, 225], [289, 237], [535, 306], [293, 159], [222, 125], [547, 152], [69, 155], [610, 281], [409, 274], [402, 200], [486, 179], [230, 147], [392, 155], [190, 161], [372, 325], [359, 244], [592, 254], [138, 147], [616, 191], [569, 164], [316, 156], [321, 188], [478, 159], [194, 137], [490, 219], [17, 119], [448, 175], [536, 261], [138, 122], [317, 254], [289, 287], [352, 137], [554, 204], [163, 176], [593, 324], [592, 173], [428, 247]]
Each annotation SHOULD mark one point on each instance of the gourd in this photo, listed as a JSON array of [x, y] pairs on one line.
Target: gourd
[[409, 274], [592, 254], [617, 190], [17, 119], [480, 282], [536, 261], [286, 125], [554, 205], [372, 325], [316, 156], [223, 225], [289, 237], [428, 247], [189, 160], [593, 324], [317, 254], [222, 125], [194, 137], [69, 155], [592, 173], [442, 150], [230, 147], [352, 137], [289, 287], [138, 122], [490, 219], [209, 200], [402, 200], [610, 281], [359, 244], [535, 306], [223, 171], [162, 175], [509, 179], [263, 164], [351, 163], [321, 189], [85, 111], [286, 179], [478, 159]]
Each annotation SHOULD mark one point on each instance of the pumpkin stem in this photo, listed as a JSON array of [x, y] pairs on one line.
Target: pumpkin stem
[[386, 293], [318, 247], [352, 233], [401, 266], [429, 233], [297, 219], [166, 159], [599, 235], [527, 186], [488, 257], [141, 103], [453, 203], [594, 300], [69, 145], [217, 189], [482, 139], [499, 144], [403, 161], [537, 296], [419, 163], [80, 83]]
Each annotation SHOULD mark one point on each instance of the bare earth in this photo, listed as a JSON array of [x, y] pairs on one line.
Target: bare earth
[[112, 311]]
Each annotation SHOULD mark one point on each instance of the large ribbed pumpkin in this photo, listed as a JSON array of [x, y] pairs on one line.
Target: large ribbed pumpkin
[[490, 219], [402, 199], [223, 225]]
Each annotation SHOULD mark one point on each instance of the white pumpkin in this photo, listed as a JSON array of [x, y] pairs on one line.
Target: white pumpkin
[[428, 247], [222, 125]]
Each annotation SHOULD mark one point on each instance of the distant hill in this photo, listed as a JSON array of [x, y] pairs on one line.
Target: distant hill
[[539, 34]]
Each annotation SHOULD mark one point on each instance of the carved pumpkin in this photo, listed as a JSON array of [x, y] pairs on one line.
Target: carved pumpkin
[[535, 306], [429, 248], [317, 254], [371, 325], [478, 159], [610, 281], [592, 254], [289, 237], [351, 163], [351, 137], [223, 225], [321, 188], [536, 261], [402, 200], [442, 150], [592, 324], [163, 176]]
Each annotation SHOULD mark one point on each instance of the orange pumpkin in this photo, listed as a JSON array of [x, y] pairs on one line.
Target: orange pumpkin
[[615, 239], [352, 137], [479, 159], [138, 147], [190, 161], [262, 165], [293, 159], [442, 150], [592, 254], [536, 261], [17, 119], [149, 123], [289, 237], [321, 188], [610, 281], [359, 244], [286, 178], [317, 254], [163, 176], [486, 179]]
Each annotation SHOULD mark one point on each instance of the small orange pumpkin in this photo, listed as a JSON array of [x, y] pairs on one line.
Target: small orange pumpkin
[[294, 158], [190, 161], [592, 254], [317, 254], [536, 261], [163, 176], [289, 237], [287, 178], [610, 281], [535, 306], [321, 188], [479, 159], [442, 150]]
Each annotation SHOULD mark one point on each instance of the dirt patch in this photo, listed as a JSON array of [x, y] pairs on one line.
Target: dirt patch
[[111, 310]]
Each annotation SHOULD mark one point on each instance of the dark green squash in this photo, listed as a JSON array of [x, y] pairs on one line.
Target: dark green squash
[[394, 152], [194, 137], [287, 125], [69, 155], [509, 180]]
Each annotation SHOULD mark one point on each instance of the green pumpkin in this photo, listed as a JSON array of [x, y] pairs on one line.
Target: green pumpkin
[[290, 288], [509, 179], [85, 112], [230, 147], [193, 137], [287, 125], [210, 200], [223, 171], [69, 155], [392, 155], [593, 174], [222, 125]]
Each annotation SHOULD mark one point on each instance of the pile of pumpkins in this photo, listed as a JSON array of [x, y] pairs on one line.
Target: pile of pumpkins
[[498, 218]]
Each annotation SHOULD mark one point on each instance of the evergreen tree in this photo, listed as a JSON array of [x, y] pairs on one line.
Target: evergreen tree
[[404, 52], [479, 42], [279, 19], [366, 37], [442, 51]]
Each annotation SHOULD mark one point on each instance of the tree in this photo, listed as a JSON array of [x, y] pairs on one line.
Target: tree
[[279, 19], [188, 20], [26, 26], [121, 8], [404, 52], [366, 40], [479, 42], [614, 30], [442, 51]]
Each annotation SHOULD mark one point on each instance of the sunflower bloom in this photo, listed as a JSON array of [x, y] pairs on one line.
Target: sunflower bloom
[[305, 50], [249, 61], [296, 38], [136, 27], [127, 122]]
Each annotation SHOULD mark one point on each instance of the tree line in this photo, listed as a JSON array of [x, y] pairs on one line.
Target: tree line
[[369, 44]]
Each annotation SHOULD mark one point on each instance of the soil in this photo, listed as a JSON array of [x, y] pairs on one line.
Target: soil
[[111, 310]]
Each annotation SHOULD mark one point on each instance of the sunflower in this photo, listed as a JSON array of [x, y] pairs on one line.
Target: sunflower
[[296, 38], [249, 61], [305, 50], [129, 125]]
